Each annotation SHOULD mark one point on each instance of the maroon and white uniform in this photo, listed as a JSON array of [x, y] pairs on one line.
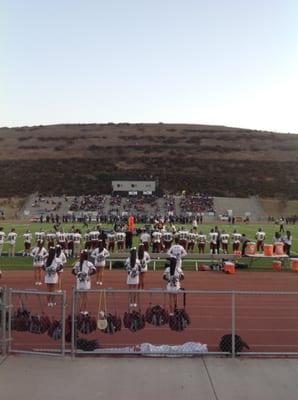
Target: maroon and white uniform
[[177, 251], [145, 239], [100, 257], [260, 236], [77, 243], [236, 237], [94, 239], [156, 241], [201, 240], [183, 238], [87, 240], [213, 242], [167, 239], [111, 241], [51, 239], [70, 244], [62, 240], [120, 239], [224, 238], [2, 237], [27, 240], [191, 241], [39, 236]]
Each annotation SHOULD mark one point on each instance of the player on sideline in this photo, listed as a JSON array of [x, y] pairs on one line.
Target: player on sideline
[[100, 254], [224, 239], [111, 241], [192, 236], [27, 243], [260, 237], [177, 251], [213, 241], [145, 240], [77, 243], [120, 239], [11, 239], [82, 270], [167, 240], [202, 240], [2, 237], [156, 241], [236, 237]]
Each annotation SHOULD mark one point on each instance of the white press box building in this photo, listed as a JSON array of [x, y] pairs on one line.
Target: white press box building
[[134, 188]]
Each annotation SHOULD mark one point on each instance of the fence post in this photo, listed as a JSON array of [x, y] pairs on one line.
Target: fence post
[[3, 322], [233, 323], [63, 323], [110, 265], [9, 318], [73, 325]]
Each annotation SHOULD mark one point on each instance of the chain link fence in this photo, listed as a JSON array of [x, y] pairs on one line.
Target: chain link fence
[[36, 322]]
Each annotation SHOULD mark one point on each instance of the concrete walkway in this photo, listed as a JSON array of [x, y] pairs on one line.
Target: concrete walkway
[[35, 378]]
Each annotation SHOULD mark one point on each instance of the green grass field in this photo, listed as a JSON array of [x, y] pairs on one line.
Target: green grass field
[[16, 263]]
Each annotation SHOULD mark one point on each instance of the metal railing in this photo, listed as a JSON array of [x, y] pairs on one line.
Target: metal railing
[[35, 302], [266, 321]]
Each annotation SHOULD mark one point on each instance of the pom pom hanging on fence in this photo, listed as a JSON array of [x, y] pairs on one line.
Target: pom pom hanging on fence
[[179, 320], [86, 324], [134, 320], [156, 315]]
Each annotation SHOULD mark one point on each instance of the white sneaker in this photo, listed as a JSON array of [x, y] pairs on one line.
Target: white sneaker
[[135, 305], [59, 291], [36, 283], [131, 305], [100, 283], [97, 283], [40, 283]]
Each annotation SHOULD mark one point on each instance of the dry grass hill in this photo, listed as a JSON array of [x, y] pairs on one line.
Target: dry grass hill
[[83, 158]]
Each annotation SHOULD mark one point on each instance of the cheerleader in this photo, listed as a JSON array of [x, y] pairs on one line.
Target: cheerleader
[[173, 274], [82, 270], [100, 254], [39, 254], [51, 268], [133, 267], [144, 259], [61, 258]]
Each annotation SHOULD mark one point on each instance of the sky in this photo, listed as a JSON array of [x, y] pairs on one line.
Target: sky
[[219, 62]]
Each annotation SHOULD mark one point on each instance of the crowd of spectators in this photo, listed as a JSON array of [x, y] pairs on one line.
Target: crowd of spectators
[[197, 204], [88, 203]]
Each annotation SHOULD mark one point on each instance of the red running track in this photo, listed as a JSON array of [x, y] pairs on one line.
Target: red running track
[[265, 322]]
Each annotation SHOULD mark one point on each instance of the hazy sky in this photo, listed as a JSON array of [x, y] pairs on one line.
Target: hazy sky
[[224, 62]]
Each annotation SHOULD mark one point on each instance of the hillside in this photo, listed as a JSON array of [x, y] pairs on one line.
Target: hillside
[[83, 158]]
